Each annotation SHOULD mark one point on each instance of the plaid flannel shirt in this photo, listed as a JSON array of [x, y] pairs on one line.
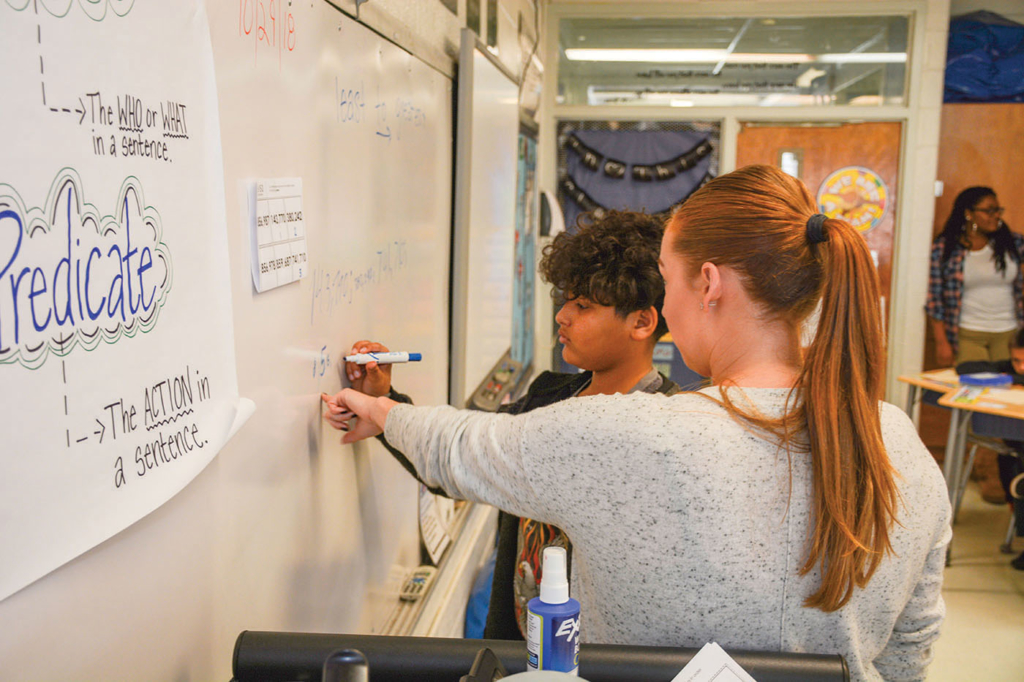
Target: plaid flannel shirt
[[946, 287]]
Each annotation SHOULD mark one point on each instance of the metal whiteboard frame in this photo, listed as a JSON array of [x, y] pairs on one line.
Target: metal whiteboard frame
[[461, 225]]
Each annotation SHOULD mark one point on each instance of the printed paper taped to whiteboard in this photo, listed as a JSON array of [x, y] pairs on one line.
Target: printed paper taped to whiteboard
[[278, 233], [712, 664]]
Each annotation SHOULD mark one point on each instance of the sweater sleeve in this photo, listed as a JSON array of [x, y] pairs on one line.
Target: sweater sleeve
[[473, 456], [398, 454], [909, 651]]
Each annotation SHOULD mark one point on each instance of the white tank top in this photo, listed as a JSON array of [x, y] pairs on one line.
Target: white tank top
[[988, 304]]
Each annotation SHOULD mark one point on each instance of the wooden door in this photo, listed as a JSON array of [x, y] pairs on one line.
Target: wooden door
[[852, 168]]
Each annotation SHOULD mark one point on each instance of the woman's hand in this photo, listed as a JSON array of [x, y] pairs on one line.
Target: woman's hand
[[369, 413], [943, 353], [372, 378], [943, 348]]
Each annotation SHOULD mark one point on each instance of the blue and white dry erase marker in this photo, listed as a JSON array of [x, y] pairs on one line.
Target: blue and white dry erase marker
[[383, 358]]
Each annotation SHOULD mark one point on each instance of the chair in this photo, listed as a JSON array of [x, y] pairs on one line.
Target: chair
[[989, 431]]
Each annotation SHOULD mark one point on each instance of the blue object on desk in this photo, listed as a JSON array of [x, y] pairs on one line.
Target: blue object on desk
[[986, 379]]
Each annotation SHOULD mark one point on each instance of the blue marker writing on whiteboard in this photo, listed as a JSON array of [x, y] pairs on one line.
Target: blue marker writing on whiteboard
[[383, 358]]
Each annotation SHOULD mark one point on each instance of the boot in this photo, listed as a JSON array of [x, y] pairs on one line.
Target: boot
[[987, 471]]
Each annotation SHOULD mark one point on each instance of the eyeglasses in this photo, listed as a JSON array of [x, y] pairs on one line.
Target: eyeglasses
[[993, 210]]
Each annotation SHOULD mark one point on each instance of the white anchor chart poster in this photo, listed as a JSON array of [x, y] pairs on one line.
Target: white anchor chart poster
[[117, 370]]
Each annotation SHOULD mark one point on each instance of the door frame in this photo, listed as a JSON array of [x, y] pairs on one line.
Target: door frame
[[918, 154]]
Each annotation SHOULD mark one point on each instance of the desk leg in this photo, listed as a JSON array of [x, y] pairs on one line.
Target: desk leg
[[961, 447], [949, 467], [911, 400], [953, 461]]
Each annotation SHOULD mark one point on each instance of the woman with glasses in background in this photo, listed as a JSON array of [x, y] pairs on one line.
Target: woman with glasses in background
[[976, 302], [975, 286]]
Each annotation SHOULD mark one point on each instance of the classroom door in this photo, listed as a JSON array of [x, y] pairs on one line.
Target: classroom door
[[851, 168]]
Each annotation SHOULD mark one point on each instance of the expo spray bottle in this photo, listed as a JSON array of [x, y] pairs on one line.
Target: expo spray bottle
[[553, 620]]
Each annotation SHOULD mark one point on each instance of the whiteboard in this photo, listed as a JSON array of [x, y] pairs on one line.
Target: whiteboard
[[368, 130], [286, 529], [485, 215]]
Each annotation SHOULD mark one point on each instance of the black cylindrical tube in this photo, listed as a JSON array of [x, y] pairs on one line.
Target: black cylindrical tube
[[291, 657]]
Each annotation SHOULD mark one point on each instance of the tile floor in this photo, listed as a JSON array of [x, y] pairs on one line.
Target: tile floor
[[983, 635]]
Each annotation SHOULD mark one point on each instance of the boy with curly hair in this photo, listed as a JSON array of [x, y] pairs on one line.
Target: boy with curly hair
[[606, 273]]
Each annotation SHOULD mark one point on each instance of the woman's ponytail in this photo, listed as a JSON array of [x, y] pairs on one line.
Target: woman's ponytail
[[841, 383]]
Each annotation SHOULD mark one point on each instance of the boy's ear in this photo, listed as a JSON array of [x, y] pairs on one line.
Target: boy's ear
[[645, 324]]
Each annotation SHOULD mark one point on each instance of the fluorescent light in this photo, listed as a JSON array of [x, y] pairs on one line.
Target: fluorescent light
[[588, 54], [685, 56], [597, 96], [863, 58], [768, 58]]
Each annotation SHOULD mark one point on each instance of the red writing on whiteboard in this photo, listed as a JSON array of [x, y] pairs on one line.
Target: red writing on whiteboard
[[269, 23]]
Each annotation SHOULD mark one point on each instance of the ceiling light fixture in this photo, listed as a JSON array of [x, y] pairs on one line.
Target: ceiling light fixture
[[694, 56]]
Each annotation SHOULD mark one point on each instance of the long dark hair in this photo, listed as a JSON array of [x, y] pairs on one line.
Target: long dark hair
[[953, 231]]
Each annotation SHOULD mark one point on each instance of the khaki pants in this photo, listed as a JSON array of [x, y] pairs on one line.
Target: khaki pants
[[986, 346]]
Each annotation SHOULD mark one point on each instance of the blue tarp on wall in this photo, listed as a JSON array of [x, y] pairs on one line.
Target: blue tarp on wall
[[985, 59]]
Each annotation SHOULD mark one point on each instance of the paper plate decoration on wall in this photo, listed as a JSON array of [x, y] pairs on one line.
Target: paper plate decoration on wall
[[856, 195]]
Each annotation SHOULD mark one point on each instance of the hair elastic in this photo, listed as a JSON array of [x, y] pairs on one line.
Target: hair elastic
[[816, 228]]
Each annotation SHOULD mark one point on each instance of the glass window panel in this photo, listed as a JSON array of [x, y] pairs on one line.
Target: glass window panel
[[492, 23], [744, 61], [473, 15]]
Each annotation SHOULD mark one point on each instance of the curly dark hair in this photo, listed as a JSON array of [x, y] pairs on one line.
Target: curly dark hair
[[612, 259], [1018, 339]]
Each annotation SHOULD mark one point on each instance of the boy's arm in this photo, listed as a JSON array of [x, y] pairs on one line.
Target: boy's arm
[[976, 367], [398, 454], [979, 366], [519, 406], [406, 464], [375, 380]]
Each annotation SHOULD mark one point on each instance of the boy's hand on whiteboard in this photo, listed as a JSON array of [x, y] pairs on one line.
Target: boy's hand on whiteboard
[[372, 379], [369, 413]]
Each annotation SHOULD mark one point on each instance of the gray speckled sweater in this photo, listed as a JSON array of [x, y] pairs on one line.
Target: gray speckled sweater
[[681, 528]]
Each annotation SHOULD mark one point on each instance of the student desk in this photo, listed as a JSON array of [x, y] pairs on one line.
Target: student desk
[[1008, 414], [281, 656], [999, 413], [942, 382]]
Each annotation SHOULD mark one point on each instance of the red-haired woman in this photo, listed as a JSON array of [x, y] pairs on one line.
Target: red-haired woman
[[784, 508]]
